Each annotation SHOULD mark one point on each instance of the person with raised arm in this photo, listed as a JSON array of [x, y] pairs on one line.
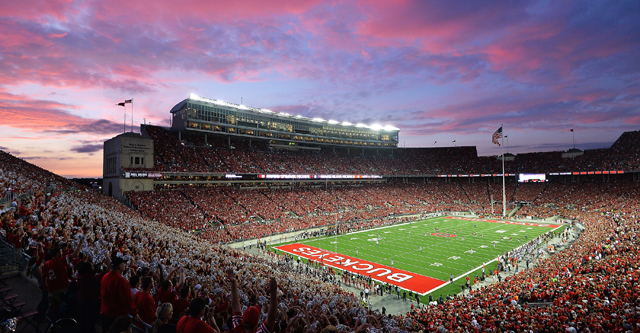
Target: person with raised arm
[[248, 321]]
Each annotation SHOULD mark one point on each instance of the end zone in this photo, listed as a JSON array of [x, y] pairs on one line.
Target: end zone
[[503, 221], [406, 280]]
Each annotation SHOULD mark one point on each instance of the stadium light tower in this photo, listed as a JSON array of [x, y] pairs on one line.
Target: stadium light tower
[[507, 137]]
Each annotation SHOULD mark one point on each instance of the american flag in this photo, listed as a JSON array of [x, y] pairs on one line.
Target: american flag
[[497, 135]]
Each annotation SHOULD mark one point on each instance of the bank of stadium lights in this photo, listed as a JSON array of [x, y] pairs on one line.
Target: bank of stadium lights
[[375, 127]]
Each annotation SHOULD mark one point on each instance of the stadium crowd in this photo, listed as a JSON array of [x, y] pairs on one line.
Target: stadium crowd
[[260, 212], [85, 247], [101, 253], [95, 233], [275, 210], [191, 153], [20, 177]]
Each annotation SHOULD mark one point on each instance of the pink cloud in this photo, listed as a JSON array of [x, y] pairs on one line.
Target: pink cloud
[[38, 9], [216, 11], [53, 35], [516, 38], [633, 120], [361, 47], [34, 115]]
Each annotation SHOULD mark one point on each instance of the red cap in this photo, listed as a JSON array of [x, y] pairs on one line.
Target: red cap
[[251, 315]]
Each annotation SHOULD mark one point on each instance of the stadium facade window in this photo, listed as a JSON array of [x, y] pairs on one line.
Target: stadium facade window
[[211, 115]]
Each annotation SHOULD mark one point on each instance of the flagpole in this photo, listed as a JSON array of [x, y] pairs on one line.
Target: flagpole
[[132, 115], [504, 194]]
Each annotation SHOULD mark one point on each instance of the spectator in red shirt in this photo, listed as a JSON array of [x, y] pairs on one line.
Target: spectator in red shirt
[[193, 324], [144, 301], [55, 278], [116, 295], [181, 304], [23, 212], [166, 293]]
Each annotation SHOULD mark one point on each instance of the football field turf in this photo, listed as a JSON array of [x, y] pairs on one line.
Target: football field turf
[[432, 249]]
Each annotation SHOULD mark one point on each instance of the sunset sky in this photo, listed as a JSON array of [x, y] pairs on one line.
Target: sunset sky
[[438, 70]]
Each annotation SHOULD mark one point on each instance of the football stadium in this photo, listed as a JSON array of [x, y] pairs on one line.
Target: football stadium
[[310, 225]]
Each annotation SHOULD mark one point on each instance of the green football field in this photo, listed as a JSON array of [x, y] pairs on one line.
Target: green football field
[[417, 247]]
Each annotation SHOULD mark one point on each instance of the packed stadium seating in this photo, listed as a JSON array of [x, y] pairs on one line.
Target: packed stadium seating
[[192, 154], [19, 176], [592, 286], [302, 207]]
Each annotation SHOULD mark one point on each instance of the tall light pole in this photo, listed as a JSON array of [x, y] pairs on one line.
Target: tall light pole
[[574, 138], [507, 137]]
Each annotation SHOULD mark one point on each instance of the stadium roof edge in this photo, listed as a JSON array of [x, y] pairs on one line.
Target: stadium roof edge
[[374, 127], [179, 106]]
